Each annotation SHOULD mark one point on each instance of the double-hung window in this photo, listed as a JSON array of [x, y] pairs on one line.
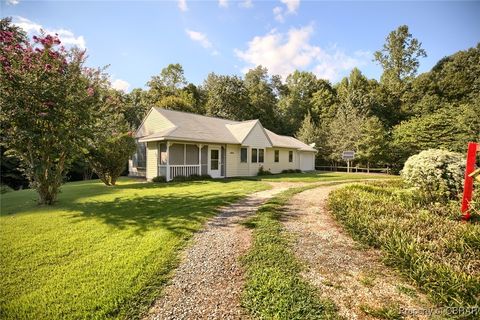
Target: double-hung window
[[243, 155], [258, 155], [277, 155], [254, 155], [290, 156], [261, 155]]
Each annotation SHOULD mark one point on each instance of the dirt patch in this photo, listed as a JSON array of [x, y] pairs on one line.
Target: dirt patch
[[347, 273]]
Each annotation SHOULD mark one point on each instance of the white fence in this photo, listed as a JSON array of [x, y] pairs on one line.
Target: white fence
[[179, 170]]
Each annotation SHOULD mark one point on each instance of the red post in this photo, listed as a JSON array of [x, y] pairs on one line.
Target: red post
[[473, 148]]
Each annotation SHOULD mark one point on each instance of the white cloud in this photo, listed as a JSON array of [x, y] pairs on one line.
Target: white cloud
[[199, 37], [223, 3], [66, 36], [278, 13], [12, 2], [282, 53], [291, 7], [121, 85], [182, 5], [246, 4]]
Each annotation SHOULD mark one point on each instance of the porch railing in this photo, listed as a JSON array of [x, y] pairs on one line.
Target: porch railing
[[184, 170], [178, 170]]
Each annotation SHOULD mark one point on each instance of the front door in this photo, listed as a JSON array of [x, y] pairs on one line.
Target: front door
[[214, 163]]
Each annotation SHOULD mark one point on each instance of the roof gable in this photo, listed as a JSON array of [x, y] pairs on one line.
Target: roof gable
[[153, 122], [257, 137]]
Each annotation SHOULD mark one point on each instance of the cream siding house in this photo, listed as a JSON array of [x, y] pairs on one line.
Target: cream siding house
[[173, 143]]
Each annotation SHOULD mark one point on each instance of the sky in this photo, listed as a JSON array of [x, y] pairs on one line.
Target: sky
[[329, 38]]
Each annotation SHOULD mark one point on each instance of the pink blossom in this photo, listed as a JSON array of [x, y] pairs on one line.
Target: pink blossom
[[90, 91], [43, 114]]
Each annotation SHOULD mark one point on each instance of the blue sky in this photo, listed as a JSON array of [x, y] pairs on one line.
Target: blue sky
[[138, 38]]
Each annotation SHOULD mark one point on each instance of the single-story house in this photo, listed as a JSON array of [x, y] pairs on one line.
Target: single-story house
[[173, 143]]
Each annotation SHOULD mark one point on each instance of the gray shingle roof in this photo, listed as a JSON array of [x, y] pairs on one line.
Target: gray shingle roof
[[198, 128]]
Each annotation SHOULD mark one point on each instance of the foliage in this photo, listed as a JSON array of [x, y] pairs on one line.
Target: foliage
[[399, 56], [317, 176], [227, 97], [108, 156], [10, 173], [193, 177], [263, 172], [159, 179], [274, 285], [426, 243], [372, 147], [100, 252], [438, 174], [5, 188], [261, 96], [292, 171], [345, 131], [46, 97], [308, 131], [296, 101]]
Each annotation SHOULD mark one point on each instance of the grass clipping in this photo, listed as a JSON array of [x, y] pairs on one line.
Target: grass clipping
[[274, 287]]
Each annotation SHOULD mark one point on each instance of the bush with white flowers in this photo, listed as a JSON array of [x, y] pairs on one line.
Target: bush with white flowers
[[438, 174]]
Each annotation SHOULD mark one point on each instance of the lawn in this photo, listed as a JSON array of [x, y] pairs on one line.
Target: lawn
[[318, 176], [100, 251]]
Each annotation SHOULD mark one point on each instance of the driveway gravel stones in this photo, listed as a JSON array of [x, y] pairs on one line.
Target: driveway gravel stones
[[347, 273], [209, 281]]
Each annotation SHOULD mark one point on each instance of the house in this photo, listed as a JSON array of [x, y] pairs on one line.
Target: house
[[173, 143]]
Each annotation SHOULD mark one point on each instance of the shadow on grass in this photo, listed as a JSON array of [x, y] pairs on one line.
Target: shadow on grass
[[180, 214]]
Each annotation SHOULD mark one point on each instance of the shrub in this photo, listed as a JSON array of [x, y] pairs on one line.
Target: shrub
[[4, 188], [438, 174], [159, 179], [263, 172], [180, 179], [109, 156]]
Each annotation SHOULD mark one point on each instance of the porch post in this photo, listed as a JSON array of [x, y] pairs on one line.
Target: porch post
[[200, 146], [168, 161]]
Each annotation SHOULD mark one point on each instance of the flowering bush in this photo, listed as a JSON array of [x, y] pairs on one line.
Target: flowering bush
[[46, 101], [438, 174]]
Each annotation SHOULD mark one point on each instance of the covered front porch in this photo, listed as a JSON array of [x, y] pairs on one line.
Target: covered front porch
[[186, 159]]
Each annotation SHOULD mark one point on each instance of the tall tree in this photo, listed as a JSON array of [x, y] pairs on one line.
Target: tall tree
[[399, 56], [167, 90], [227, 97], [296, 101], [46, 103], [261, 96], [344, 131], [372, 145], [308, 131]]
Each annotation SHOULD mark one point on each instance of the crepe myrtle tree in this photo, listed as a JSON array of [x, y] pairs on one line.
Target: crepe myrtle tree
[[46, 99]]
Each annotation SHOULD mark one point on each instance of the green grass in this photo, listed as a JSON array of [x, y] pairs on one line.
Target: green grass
[[274, 287], [428, 244], [318, 176], [100, 251]]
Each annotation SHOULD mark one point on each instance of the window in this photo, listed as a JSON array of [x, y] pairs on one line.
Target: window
[[260, 155], [140, 157], [277, 155], [254, 155], [290, 156], [243, 155]]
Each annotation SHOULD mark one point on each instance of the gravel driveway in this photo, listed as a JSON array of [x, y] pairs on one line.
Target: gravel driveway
[[350, 275], [209, 281]]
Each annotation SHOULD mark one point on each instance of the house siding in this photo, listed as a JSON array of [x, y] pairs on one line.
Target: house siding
[[283, 164], [152, 160], [257, 138], [154, 122]]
